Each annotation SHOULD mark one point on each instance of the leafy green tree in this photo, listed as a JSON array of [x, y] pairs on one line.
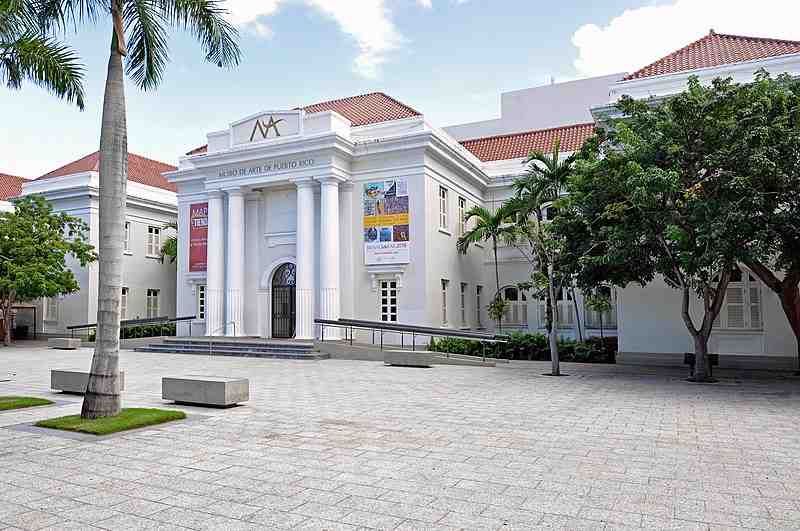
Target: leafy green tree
[[660, 197], [34, 245], [169, 249], [28, 53], [768, 143], [542, 185], [138, 32], [490, 227]]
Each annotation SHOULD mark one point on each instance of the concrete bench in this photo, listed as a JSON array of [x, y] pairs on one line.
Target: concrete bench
[[407, 358], [219, 391], [64, 343], [74, 381]]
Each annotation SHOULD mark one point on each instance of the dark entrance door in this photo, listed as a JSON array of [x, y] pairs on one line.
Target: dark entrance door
[[283, 301]]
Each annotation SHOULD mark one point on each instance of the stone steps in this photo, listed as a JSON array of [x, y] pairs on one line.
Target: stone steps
[[240, 348]]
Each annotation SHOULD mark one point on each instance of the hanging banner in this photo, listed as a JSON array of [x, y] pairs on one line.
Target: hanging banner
[[386, 222], [198, 237]]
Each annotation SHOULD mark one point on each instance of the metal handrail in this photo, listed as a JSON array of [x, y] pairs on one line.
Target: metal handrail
[[133, 322], [373, 326], [211, 335]]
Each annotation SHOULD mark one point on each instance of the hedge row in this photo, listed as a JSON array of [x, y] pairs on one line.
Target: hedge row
[[148, 330], [523, 346]]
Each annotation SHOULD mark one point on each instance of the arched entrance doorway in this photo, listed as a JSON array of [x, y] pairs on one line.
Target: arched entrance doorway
[[283, 301]]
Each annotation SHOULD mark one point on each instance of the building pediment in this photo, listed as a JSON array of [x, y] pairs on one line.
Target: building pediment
[[267, 125]]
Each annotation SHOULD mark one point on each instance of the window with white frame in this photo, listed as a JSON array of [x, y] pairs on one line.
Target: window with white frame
[[741, 309], [388, 300], [201, 302], [565, 309], [123, 304], [153, 241], [51, 307], [443, 207], [152, 303], [606, 319], [445, 285], [516, 313], [478, 306], [462, 213], [127, 236], [463, 301]]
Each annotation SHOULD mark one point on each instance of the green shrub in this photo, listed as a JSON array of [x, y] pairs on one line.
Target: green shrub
[[144, 330], [525, 346]]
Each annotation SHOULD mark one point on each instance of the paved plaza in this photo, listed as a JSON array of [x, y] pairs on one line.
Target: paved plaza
[[342, 445]]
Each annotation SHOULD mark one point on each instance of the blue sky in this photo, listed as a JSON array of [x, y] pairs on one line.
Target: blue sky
[[449, 59]]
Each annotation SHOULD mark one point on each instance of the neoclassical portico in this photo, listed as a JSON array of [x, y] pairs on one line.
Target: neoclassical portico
[[226, 287]]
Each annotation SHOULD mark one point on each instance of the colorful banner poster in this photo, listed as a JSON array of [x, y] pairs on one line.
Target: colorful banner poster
[[198, 237], [386, 234]]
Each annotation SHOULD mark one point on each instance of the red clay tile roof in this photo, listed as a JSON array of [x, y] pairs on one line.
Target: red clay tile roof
[[140, 170], [365, 109], [716, 49], [519, 145], [10, 186]]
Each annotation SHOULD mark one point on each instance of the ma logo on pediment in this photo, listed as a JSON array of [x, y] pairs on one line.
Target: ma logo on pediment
[[267, 125], [264, 128]]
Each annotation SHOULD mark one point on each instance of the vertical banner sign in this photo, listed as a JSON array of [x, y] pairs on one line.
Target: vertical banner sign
[[198, 237], [386, 234]]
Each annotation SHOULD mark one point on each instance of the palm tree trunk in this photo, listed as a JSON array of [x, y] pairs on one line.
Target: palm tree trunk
[[553, 336], [102, 398], [497, 279]]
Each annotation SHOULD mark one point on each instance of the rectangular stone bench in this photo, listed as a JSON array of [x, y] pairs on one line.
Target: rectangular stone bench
[[407, 358], [219, 391], [74, 381], [64, 343]]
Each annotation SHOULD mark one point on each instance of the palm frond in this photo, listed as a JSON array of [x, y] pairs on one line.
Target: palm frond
[[46, 63], [148, 50], [205, 19]]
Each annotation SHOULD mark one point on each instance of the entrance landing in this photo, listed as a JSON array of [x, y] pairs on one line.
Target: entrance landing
[[238, 346]]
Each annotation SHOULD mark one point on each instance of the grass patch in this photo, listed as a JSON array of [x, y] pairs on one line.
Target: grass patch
[[128, 419], [17, 402]]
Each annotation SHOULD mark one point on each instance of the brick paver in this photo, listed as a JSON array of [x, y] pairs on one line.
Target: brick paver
[[356, 445]]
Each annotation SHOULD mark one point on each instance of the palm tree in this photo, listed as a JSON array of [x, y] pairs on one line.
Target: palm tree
[[28, 53], [546, 177], [170, 247], [489, 226], [139, 34]]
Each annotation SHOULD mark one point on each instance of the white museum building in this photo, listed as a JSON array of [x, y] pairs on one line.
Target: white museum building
[[352, 208]]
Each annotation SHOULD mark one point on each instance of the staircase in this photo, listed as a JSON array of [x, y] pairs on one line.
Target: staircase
[[246, 348]]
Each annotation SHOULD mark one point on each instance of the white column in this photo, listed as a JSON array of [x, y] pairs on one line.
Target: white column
[[329, 253], [215, 268], [235, 277], [304, 289]]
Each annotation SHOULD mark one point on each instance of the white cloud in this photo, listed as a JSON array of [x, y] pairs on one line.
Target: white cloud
[[425, 3], [367, 21], [640, 36]]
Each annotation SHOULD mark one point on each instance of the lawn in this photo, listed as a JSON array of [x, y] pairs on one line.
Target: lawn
[[128, 419], [17, 402]]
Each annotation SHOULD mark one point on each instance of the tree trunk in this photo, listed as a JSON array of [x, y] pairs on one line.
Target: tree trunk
[[7, 324], [497, 280], [577, 314], [102, 398], [553, 335], [701, 358]]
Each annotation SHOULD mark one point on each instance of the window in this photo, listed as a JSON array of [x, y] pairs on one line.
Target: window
[[445, 284], [741, 309], [152, 303], [464, 305], [565, 310], [123, 304], [51, 307], [201, 303], [388, 299], [516, 313], [153, 241], [443, 207], [127, 236], [606, 319], [462, 212], [478, 306]]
